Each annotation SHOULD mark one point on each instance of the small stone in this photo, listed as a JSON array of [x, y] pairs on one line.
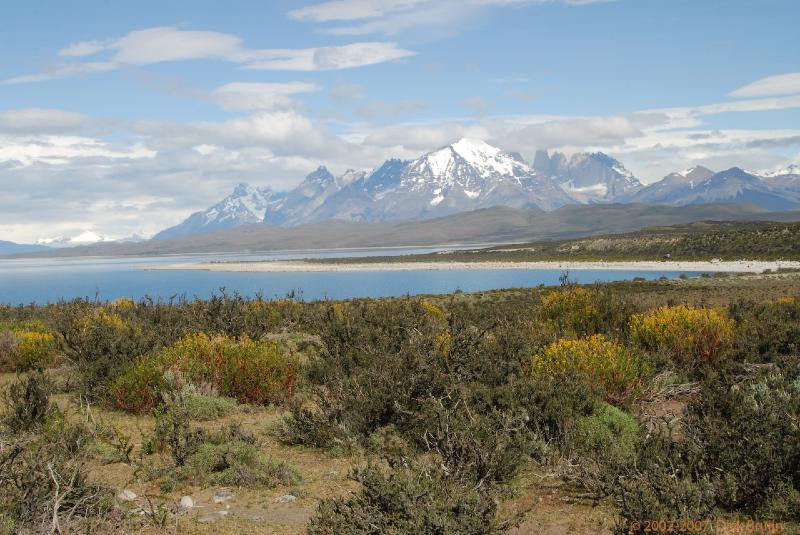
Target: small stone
[[126, 495], [286, 498], [187, 502], [222, 496], [332, 473]]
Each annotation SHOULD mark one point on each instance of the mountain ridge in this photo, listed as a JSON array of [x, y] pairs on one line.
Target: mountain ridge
[[488, 225]]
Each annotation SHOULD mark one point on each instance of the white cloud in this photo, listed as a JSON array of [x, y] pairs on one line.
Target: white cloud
[[41, 120], [245, 96], [780, 84], [59, 150], [352, 9], [326, 58], [155, 173], [64, 70], [164, 44], [393, 16], [83, 48]]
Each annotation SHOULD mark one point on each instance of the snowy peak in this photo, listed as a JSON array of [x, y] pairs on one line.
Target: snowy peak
[[470, 159], [86, 237], [792, 169], [696, 173], [245, 205], [588, 177], [732, 185]]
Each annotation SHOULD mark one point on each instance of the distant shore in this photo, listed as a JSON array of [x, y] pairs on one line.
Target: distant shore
[[299, 266]]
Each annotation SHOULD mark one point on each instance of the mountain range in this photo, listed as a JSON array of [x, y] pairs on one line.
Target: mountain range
[[470, 175], [488, 225]]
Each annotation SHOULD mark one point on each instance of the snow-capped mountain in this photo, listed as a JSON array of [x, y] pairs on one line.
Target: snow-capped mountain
[[588, 177], [671, 186], [467, 175], [86, 237], [785, 180], [298, 205], [246, 205], [792, 169], [471, 174], [733, 185]]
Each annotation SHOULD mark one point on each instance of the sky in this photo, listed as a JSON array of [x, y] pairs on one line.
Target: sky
[[122, 118]]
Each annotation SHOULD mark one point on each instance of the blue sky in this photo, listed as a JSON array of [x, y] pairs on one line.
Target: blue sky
[[123, 117]]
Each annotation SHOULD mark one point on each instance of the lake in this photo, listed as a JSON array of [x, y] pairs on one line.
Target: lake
[[25, 281]]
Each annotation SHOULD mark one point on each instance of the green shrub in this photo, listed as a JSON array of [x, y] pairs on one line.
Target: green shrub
[[236, 463], [207, 407], [608, 431]]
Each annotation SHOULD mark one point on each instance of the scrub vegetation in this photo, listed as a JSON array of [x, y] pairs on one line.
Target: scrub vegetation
[[596, 408]]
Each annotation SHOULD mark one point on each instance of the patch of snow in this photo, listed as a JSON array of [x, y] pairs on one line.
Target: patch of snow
[[595, 189], [471, 194], [436, 200], [793, 169], [440, 161]]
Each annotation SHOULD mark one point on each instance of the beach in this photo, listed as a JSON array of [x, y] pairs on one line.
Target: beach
[[299, 266]]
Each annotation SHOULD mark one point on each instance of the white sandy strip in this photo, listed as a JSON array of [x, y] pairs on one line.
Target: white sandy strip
[[739, 266]]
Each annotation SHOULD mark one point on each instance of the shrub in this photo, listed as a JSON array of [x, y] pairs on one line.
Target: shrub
[[174, 433], [665, 480], [595, 358], [26, 345], [139, 389], [249, 371], [207, 407], [474, 442], [9, 346], [236, 463], [34, 349], [102, 342], [767, 330], [749, 433], [44, 481], [408, 500], [573, 310], [27, 403], [607, 432], [690, 336], [576, 311]]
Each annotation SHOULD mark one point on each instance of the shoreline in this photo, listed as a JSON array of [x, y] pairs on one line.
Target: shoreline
[[299, 266]]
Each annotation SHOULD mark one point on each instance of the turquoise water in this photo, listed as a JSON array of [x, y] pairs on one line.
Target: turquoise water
[[25, 281]]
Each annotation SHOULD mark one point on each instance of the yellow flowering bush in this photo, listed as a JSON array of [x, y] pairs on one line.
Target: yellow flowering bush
[[250, 371], [444, 340], [124, 303], [573, 310], [26, 345], [598, 360], [688, 335], [34, 349]]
